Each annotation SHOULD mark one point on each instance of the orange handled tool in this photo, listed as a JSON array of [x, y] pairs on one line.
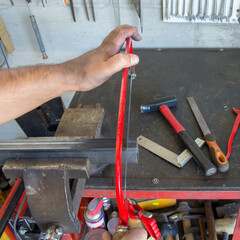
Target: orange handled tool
[[218, 157]]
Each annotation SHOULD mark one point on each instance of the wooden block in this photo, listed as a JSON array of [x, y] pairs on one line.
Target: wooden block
[[4, 35]]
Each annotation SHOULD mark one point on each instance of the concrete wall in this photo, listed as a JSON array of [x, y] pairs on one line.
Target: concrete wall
[[65, 39]]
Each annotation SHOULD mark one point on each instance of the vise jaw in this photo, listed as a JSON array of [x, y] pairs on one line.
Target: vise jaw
[[47, 189]]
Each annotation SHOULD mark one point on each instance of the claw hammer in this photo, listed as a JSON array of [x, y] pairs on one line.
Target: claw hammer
[[163, 105]]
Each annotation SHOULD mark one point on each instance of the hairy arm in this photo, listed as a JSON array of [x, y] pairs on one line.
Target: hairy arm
[[23, 89]]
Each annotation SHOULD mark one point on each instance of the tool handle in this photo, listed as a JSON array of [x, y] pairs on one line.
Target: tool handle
[[218, 157], [206, 165], [164, 109], [210, 220], [202, 229], [151, 226]]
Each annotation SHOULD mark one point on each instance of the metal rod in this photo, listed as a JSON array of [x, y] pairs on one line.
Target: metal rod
[[72, 9], [93, 11], [38, 36], [86, 9], [3, 52]]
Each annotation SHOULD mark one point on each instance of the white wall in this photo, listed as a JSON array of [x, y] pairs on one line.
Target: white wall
[[65, 39]]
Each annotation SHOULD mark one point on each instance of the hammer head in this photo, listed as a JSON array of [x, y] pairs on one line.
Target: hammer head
[[154, 106]]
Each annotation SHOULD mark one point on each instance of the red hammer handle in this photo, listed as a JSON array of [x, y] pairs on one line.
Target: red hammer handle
[[164, 109], [207, 166]]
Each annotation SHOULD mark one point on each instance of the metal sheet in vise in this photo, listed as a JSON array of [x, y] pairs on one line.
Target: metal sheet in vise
[[101, 150]]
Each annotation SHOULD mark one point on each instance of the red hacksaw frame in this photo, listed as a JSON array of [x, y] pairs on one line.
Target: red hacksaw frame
[[122, 207]]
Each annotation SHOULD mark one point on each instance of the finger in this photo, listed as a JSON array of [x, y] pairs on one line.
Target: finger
[[136, 234], [125, 31], [120, 61], [129, 31], [106, 236], [115, 40]]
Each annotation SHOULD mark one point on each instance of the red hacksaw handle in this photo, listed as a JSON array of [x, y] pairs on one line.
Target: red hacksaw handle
[[234, 130], [123, 212]]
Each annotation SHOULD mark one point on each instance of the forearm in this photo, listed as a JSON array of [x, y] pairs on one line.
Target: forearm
[[23, 89]]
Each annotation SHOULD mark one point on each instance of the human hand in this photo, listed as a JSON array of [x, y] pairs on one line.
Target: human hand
[[134, 234], [95, 67]]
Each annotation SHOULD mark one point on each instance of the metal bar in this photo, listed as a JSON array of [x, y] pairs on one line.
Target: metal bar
[[143, 194], [198, 116], [86, 9], [93, 11], [72, 10], [38, 36], [96, 150], [3, 52], [59, 143]]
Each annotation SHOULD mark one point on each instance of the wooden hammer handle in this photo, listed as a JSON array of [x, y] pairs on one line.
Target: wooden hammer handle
[[210, 220]]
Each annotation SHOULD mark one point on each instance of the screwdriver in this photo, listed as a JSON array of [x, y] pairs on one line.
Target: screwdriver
[[219, 159]]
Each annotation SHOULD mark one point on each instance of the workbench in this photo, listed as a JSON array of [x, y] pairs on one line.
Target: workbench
[[211, 76]]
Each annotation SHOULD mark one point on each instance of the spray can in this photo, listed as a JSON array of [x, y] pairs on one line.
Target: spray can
[[94, 215]]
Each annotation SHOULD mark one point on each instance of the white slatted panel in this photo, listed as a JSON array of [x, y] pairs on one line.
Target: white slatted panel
[[201, 11]]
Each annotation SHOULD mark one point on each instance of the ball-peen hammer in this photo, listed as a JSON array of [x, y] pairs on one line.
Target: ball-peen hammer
[[163, 105]]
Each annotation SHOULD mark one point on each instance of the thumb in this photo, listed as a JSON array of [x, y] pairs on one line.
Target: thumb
[[120, 61], [106, 236]]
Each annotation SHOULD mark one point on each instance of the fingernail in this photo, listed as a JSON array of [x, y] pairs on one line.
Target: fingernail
[[134, 59]]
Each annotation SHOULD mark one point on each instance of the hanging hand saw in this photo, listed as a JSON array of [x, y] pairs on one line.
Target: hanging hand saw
[[138, 6], [126, 209]]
